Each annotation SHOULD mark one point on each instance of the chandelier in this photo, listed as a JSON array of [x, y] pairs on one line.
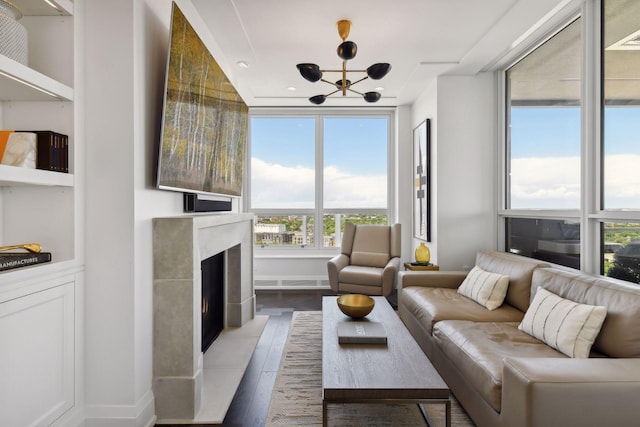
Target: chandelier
[[346, 50]]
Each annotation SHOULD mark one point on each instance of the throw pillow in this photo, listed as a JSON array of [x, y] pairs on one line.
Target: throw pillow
[[563, 324], [486, 288]]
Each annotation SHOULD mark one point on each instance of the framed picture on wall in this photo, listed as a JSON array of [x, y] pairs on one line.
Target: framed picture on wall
[[422, 181]]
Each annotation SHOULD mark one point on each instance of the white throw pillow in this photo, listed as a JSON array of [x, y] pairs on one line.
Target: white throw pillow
[[488, 289], [563, 324]]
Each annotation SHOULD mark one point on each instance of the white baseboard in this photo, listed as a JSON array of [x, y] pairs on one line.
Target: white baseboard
[[142, 414]]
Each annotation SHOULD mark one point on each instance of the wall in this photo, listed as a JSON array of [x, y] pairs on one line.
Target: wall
[[124, 83], [466, 159]]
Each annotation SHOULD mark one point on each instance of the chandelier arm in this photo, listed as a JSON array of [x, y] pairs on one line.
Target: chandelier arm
[[339, 71], [335, 91], [358, 81], [355, 91]]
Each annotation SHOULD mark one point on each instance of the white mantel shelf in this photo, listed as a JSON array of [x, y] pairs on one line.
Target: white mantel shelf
[[180, 244]]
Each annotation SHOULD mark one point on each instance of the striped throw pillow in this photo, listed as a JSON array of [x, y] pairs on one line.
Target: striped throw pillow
[[563, 324], [488, 289]]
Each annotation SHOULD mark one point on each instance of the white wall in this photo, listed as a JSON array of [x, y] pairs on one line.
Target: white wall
[[124, 64], [466, 159]]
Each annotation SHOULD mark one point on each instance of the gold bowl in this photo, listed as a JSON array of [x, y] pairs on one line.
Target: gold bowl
[[355, 305]]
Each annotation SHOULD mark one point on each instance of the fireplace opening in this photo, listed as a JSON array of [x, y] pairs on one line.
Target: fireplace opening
[[212, 299]]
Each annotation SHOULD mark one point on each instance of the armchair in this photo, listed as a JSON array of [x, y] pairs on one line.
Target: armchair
[[369, 261]]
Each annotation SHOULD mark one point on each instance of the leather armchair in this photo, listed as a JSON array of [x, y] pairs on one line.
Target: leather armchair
[[369, 262]]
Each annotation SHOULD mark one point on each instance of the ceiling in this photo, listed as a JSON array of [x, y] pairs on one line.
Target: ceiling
[[421, 39]]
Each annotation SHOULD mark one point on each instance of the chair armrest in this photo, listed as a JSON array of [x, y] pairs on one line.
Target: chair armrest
[[431, 278], [389, 275], [334, 265], [570, 392]]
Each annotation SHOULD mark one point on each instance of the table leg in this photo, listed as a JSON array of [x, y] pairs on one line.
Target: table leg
[[448, 413], [324, 413]]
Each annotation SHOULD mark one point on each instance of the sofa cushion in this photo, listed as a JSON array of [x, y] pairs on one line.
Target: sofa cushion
[[620, 333], [518, 268], [431, 305], [565, 325], [485, 288], [478, 348]]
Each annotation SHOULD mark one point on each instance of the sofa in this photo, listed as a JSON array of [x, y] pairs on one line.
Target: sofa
[[505, 376]]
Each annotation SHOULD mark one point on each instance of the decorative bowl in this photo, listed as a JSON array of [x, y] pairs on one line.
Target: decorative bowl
[[356, 305]]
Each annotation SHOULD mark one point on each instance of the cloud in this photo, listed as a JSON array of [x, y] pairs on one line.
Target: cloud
[[277, 186], [554, 182]]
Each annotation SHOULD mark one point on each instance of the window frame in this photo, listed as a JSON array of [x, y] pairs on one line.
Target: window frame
[[318, 211], [591, 214]]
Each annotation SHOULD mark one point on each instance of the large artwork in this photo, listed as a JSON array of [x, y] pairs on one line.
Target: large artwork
[[205, 120], [421, 190]]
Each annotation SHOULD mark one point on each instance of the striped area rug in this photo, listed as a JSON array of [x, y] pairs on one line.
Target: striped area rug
[[297, 394]]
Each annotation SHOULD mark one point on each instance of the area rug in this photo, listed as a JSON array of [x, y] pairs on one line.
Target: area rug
[[297, 393]]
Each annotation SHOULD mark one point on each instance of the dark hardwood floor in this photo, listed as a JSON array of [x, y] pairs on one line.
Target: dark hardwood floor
[[251, 402]]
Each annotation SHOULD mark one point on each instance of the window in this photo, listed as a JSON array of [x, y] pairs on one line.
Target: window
[[316, 169], [543, 96], [620, 201], [543, 150], [550, 213]]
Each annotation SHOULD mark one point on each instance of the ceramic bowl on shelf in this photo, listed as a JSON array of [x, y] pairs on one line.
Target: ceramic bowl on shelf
[[356, 305]]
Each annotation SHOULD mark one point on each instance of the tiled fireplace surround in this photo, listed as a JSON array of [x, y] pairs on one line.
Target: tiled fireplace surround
[[179, 246]]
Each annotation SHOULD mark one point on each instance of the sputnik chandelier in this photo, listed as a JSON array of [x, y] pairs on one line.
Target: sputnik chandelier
[[346, 50]]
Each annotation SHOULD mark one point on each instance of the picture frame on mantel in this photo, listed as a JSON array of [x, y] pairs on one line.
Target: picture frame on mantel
[[422, 181]]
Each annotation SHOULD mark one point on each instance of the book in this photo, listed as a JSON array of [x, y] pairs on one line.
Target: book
[[361, 332], [10, 260], [52, 152]]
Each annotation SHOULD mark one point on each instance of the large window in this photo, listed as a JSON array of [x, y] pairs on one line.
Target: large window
[[309, 174], [543, 147], [571, 174], [620, 200], [544, 101]]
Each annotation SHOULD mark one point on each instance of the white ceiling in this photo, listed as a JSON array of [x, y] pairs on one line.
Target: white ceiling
[[421, 39]]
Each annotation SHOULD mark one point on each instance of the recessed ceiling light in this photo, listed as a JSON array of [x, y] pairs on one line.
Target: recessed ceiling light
[[291, 88], [243, 64], [379, 88]]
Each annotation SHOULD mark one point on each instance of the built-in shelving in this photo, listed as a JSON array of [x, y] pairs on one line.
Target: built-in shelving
[[13, 175], [39, 205]]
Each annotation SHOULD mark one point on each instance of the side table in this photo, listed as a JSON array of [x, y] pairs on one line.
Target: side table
[[420, 267]]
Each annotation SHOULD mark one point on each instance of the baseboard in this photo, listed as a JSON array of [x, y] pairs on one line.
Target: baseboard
[[142, 414]]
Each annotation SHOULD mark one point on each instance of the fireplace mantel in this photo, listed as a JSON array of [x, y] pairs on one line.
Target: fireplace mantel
[[179, 245]]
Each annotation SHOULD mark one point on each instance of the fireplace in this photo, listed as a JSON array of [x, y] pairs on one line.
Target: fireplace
[[212, 298], [180, 244]]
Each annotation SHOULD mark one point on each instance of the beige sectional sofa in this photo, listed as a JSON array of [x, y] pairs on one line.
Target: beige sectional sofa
[[503, 376]]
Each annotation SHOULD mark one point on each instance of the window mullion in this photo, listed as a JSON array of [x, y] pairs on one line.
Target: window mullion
[[319, 210]]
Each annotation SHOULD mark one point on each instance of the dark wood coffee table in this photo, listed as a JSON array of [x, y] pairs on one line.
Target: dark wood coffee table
[[398, 372]]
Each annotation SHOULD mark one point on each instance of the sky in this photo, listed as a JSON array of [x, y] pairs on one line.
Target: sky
[[283, 162], [545, 160]]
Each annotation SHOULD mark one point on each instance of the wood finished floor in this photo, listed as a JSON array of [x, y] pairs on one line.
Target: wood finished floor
[[251, 402]]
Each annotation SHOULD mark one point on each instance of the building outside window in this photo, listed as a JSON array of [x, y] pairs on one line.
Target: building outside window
[[572, 181], [316, 169]]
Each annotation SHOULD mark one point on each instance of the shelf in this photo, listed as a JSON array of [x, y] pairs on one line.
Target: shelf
[[21, 83], [14, 175], [42, 8]]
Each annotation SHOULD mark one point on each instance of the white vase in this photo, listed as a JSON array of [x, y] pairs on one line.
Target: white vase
[[13, 35]]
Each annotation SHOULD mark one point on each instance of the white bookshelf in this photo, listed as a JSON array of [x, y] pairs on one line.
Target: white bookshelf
[[42, 303]]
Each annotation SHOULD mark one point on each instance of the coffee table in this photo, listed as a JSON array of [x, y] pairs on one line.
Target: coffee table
[[398, 372]]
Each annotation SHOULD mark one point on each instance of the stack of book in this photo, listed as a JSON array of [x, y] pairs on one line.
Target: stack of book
[[44, 149], [10, 260]]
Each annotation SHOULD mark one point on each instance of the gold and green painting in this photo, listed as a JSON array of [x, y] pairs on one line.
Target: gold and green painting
[[204, 127]]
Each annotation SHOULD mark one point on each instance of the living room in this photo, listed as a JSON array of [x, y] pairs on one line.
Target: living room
[[116, 65]]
